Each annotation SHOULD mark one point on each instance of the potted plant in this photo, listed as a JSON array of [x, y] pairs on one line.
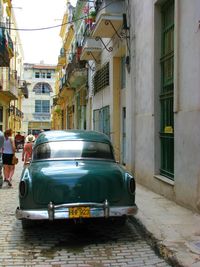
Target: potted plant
[[91, 17]]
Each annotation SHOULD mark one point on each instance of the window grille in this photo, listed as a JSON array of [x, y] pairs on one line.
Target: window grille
[[101, 78]]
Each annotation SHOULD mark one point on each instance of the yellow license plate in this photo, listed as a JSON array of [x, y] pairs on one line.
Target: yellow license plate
[[79, 212]]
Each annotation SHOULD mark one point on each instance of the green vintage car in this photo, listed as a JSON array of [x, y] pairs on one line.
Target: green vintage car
[[73, 175]]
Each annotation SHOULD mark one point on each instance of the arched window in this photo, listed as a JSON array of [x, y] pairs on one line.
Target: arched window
[[42, 88]]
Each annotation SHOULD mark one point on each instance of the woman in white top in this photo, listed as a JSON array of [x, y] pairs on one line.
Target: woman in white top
[[8, 153]]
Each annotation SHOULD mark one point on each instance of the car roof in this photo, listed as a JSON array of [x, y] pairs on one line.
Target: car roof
[[64, 135]]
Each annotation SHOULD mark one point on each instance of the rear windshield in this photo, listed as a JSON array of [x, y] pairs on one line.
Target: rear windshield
[[73, 149]]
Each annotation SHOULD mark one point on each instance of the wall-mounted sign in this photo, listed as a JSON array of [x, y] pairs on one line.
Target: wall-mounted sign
[[168, 129]]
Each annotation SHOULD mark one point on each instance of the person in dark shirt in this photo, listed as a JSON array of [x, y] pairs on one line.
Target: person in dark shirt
[[19, 141]]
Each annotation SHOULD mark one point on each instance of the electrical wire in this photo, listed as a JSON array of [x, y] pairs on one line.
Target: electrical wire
[[55, 26]]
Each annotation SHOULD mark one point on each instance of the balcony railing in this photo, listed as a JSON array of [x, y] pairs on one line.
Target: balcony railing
[[16, 112], [9, 88], [76, 72], [41, 116]]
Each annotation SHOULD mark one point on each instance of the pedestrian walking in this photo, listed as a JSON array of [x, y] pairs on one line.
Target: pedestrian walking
[[19, 141], [28, 148], [8, 153], [1, 151]]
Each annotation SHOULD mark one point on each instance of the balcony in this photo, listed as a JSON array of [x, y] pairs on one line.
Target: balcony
[[62, 57], [16, 112], [65, 90], [8, 88], [40, 116], [6, 48], [76, 72], [109, 18], [91, 49]]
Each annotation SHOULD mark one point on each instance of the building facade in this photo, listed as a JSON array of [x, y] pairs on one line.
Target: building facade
[[142, 88], [12, 87], [64, 92], [40, 80]]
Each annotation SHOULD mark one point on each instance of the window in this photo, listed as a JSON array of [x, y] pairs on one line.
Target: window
[[42, 106], [37, 75], [48, 75], [101, 120], [167, 91], [42, 88], [96, 120], [73, 149], [43, 75]]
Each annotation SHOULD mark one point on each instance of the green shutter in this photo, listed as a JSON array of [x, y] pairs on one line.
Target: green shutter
[[101, 120], [167, 91]]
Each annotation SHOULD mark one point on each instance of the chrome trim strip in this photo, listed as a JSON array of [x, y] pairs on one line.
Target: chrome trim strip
[[63, 212], [52, 208]]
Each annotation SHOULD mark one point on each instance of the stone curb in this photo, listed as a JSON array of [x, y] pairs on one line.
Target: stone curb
[[160, 249]]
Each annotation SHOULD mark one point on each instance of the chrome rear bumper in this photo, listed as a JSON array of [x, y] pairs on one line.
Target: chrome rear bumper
[[54, 212]]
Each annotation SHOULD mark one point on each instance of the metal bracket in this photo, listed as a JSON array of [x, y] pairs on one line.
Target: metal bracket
[[107, 22], [90, 67], [109, 49], [123, 33], [90, 53]]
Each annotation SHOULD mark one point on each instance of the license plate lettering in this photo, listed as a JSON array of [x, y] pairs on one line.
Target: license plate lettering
[[79, 212]]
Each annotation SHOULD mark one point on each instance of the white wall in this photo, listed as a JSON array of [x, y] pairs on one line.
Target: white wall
[[144, 82], [187, 118]]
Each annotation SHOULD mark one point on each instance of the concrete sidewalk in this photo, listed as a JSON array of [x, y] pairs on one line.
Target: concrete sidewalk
[[174, 230]]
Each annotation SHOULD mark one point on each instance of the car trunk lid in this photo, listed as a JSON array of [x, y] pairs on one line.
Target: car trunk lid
[[76, 181]]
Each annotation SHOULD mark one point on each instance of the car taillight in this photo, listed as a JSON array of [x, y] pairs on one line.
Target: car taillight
[[132, 186], [22, 188]]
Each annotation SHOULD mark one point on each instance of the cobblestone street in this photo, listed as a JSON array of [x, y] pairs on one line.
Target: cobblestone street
[[65, 244]]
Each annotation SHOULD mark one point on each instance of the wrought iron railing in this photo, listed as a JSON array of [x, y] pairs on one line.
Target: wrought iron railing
[[15, 111], [41, 116]]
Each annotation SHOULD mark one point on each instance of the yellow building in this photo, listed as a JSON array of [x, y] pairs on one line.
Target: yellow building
[[12, 88], [64, 94]]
